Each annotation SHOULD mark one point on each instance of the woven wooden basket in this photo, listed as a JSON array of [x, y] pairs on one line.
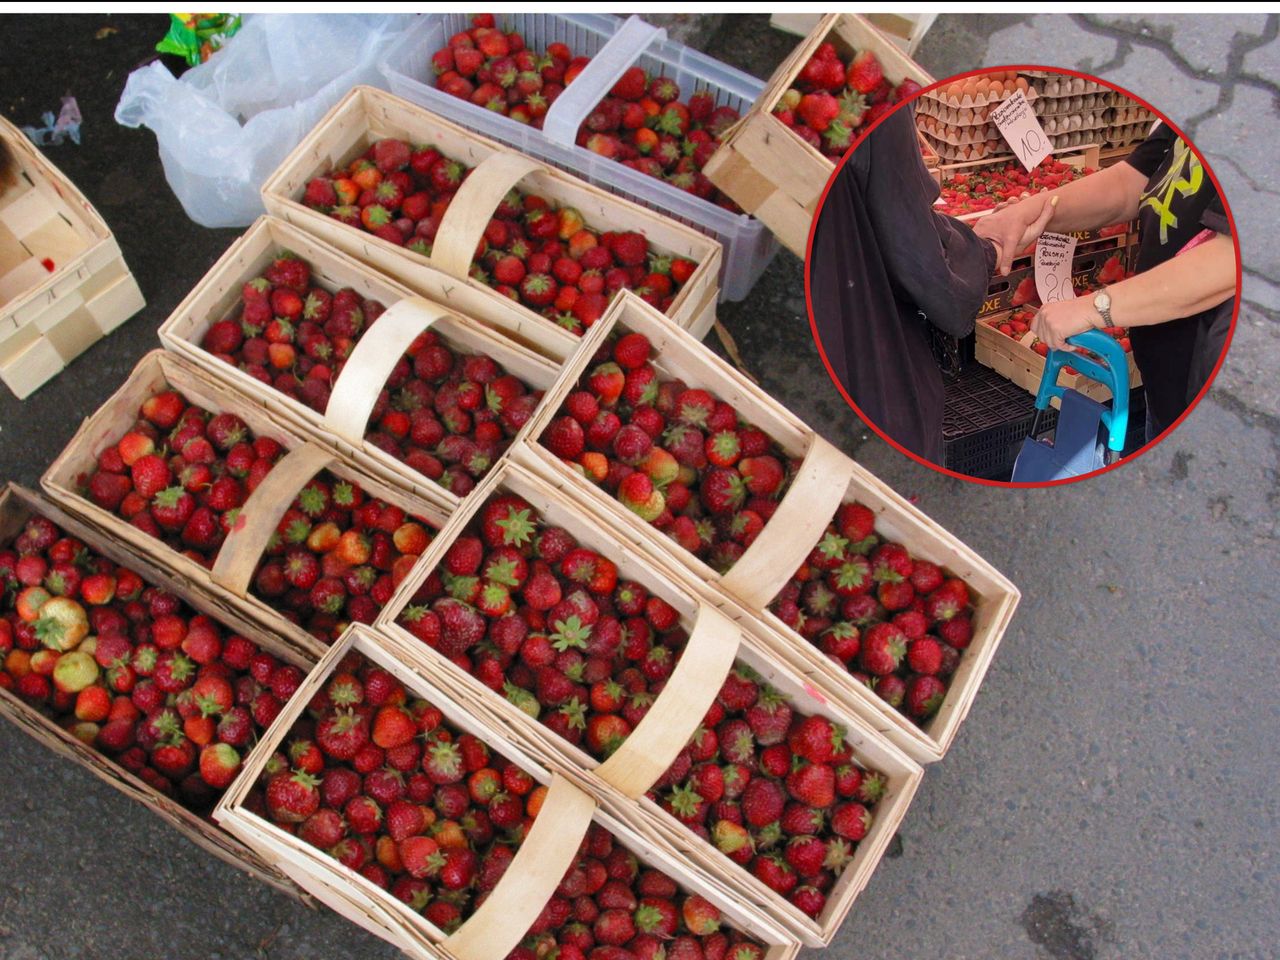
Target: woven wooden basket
[[232, 573], [341, 428], [825, 479], [501, 922], [366, 115], [17, 504], [715, 645]]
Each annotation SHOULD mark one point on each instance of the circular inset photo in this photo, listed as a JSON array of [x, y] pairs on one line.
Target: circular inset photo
[[1023, 275]]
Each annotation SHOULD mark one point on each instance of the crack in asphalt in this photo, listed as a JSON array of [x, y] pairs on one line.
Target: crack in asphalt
[[1158, 38]]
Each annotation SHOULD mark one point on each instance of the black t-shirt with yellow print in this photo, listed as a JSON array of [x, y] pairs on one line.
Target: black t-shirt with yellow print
[[1179, 202]]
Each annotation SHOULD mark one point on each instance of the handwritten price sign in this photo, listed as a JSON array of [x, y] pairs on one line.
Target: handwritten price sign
[[1021, 129], [1053, 267]]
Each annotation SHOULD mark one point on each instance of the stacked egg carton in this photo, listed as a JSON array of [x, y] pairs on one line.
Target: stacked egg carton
[[1072, 110], [954, 119], [1127, 121]]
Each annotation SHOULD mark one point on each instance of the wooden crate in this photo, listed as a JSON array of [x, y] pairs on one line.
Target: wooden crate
[[769, 171], [1015, 360], [48, 317], [715, 645], [366, 115], [501, 922], [1086, 265], [341, 427], [825, 479], [17, 504], [231, 576]]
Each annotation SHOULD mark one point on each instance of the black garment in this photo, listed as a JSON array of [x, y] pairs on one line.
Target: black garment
[[884, 267], [1179, 202]]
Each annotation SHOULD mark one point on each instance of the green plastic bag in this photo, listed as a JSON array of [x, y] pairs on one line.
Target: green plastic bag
[[197, 36]]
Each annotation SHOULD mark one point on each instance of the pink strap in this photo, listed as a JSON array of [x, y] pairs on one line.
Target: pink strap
[[1201, 237]]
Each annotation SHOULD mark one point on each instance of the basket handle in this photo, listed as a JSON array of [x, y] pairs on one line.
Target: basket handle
[[261, 514], [375, 355], [472, 206], [678, 710], [542, 860], [579, 98], [816, 492]]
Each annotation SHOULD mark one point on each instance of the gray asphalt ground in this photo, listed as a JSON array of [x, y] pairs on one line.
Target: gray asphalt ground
[[1112, 793]]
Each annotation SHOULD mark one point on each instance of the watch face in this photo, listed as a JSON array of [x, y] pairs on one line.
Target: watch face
[[1102, 301]]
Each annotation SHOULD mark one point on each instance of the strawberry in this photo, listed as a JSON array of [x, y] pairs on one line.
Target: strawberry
[[292, 796], [865, 73], [851, 821]]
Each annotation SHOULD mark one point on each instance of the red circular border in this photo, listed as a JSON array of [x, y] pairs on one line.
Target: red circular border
[[813, 326]]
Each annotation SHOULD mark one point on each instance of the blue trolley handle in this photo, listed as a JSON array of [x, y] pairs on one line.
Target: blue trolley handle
[[1114, 375]]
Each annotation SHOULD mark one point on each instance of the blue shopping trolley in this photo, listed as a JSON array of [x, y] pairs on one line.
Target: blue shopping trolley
[[1080, 444]]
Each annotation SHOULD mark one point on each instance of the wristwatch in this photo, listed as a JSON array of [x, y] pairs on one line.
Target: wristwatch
[[1102, 303]]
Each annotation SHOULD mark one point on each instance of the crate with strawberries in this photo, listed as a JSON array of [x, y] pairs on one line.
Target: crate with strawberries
[[387, 796], [157, 696], [1095, 264], [1006, 344], [542, 255], [427, 398], [776, 162], [556, 625], [273, 525]]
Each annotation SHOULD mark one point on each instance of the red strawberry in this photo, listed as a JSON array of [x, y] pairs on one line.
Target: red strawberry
[[292, 796]]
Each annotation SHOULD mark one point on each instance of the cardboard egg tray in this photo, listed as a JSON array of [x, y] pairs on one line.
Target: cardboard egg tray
[[1077, 138], [1081, 103], [981, 100], [955, 134], [1129, 133], [1060, 85], [1130, 112], [986, 149]]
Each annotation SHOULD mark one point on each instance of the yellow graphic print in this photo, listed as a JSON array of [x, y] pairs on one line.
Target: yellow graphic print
[[1183, 177]]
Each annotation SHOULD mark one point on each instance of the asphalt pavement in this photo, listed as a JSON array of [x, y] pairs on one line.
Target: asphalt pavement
[[1112, 793]]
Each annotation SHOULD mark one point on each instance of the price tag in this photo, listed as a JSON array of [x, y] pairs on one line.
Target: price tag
[[1021, 129], [1053, 267]]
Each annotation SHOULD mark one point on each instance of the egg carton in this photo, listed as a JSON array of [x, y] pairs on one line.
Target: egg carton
[[1128, 133], [1070, 123], [959, 116], [1062, 85], [1081, 103], [957, 136], [1077, 138], [1130, 113], [987, 149], [956, 94]]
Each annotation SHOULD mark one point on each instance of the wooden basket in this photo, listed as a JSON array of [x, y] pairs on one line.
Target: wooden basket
[[769, 171], [17, 504], [1015, 360], [341, 427], [233, 569], [715, 644], [366, 115], [49, 315], [501, 922], [825, 479]]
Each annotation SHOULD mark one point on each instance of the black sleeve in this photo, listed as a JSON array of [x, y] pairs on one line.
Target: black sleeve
[[934, 262], [1150, 153], [1215, 216]]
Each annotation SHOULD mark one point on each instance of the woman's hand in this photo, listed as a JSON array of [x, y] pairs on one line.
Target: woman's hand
[[1011, 228], [1056, 321]]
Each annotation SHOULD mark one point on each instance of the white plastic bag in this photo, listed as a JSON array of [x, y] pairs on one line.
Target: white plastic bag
[[224, 126]]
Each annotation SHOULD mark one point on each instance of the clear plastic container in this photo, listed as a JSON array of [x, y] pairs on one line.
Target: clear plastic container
[[613, 44]]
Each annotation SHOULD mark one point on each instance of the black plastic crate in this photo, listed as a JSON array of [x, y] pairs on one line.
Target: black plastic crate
[[987, 417], [985, 421]]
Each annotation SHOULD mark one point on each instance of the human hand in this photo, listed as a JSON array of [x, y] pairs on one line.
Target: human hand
[[1054, 322], [1011, 228]]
